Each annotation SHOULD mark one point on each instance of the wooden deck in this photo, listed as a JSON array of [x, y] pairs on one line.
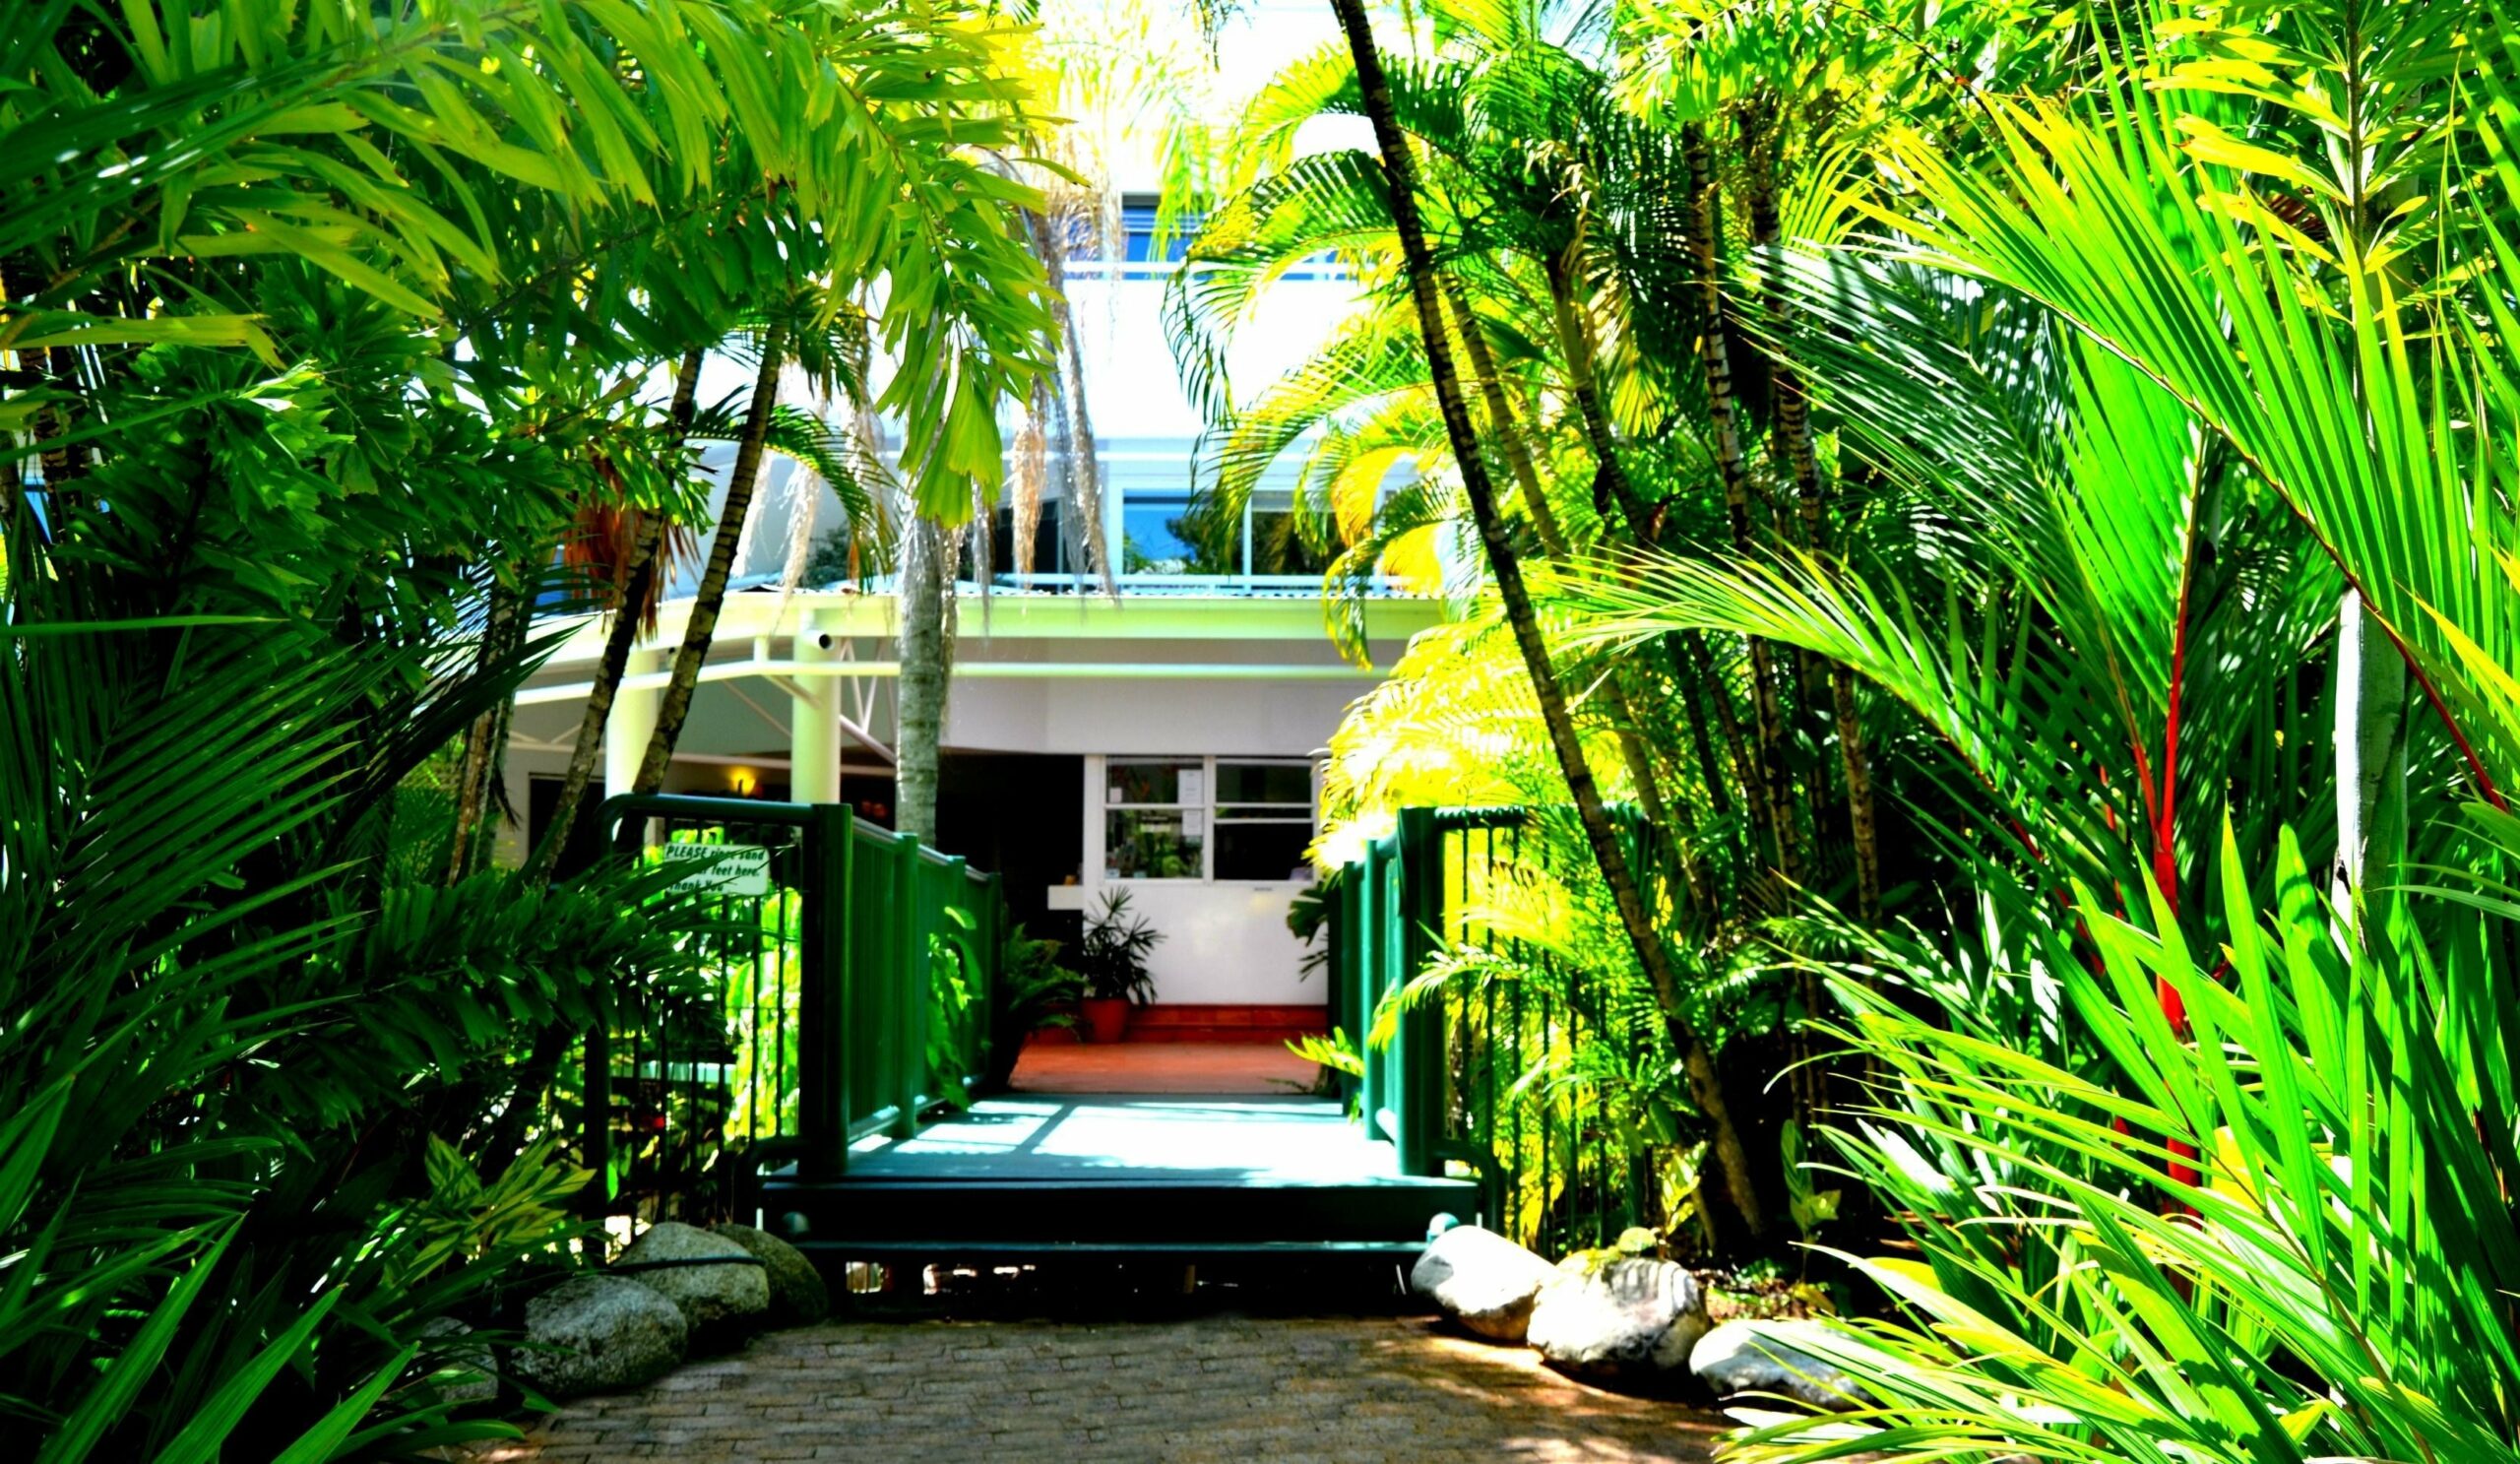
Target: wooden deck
[[1122, 1174]]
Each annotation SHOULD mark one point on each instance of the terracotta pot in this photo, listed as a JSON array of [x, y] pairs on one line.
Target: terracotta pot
[[1106, 1018]]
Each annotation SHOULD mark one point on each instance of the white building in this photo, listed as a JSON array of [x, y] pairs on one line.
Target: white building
[[1162, 741]]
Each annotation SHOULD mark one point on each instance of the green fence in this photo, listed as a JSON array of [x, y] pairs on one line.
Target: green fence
[[1477, 1077], [852, 973]]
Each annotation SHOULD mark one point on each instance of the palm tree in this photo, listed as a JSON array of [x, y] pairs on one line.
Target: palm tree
[[248, 1021], [700, 626], [641, 574], [926, 652], [1505, 572], [2166, 401]]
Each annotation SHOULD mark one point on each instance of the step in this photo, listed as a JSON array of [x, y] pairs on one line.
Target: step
[[1123, 1214], [1220, 1022]]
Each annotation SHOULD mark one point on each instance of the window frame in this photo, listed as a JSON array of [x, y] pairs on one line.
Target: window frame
[[1108, 807], [1207, 808]]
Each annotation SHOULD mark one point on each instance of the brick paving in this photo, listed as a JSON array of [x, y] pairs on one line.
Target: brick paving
[[1251, 1390]]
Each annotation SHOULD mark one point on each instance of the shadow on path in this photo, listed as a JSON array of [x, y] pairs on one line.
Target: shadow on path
[[1247, 1389]]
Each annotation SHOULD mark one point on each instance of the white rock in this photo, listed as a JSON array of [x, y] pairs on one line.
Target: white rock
[[1618, 1316], [1742, 1357], [1481, 1280], [798, 1295], [465, 1371]]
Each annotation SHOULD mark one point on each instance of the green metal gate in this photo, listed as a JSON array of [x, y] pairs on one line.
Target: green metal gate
[[852, 972], [1444, 1088]]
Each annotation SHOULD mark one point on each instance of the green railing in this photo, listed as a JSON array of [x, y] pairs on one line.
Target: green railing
[[1483, 1077], [851, 971]]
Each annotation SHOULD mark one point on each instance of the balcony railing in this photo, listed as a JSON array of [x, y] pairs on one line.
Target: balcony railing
[[1243, 586]]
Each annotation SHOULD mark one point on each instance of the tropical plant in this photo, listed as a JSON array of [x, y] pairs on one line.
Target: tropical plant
[[2226, 562], [325, 335], [1111, 958], [1033, 993]]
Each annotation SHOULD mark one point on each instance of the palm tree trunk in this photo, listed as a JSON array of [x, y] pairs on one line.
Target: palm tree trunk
[[1500, 421], [699, 628], [502, 625], [1575, 343], [923, 680], [1706, 231], [618, 642], [1505, 566], [1518, 461], [1083, 470], [1793, 437]]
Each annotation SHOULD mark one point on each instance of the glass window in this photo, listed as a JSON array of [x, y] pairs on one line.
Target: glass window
[[1154, 820], [1289, 783], [1277, 539], [1264, 819], [1187, 818], [1170, 780], [1155, 538], [1263, 850], [1154, 843]]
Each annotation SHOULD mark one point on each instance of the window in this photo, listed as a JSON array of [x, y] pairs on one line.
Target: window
[[1154, 819], [1155, 538], [1205, 818], [1264, 819]]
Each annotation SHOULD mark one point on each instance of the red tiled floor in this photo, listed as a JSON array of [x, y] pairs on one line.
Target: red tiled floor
[[1160, 1068]]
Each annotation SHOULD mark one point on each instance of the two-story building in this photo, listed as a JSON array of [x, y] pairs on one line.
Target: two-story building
[[1161, 740]]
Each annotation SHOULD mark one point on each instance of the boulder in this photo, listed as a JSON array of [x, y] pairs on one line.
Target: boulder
[[1608, 1315], [798, 1295], [1742, 1357], [466, 1372], [1481, 1280], [598, 1334], [722, 1289]]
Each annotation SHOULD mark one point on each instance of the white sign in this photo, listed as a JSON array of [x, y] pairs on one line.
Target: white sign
[[723, 868]]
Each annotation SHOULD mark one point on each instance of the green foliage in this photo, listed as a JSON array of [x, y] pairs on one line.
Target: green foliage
[[2151, 535], [2330, 1278], [271, 1077], [1033, 993], [1338, 1064], [1111, 958], [955, 1013]]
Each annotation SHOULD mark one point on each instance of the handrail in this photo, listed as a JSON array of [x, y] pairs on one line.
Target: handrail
[[835, 995], [1444, 1086]]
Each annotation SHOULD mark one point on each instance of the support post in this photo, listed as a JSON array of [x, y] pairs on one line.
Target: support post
[[813, 726], [1419, 1040], [909, 987], [596, 1153], [823, 1078]]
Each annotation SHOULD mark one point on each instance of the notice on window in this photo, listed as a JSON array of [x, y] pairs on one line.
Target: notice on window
[[1194, 787], [721, 869]]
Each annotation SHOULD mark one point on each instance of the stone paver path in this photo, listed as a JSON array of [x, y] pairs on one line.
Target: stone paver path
[[1258, 1390]]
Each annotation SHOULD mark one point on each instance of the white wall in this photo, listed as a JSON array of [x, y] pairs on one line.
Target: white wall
[[1225, 942], [1186, 717]]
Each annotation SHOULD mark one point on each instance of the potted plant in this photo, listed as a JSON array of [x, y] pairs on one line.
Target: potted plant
[[1112, 960], [1034, 991]]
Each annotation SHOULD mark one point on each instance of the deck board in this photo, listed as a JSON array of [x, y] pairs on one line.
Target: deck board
[[1119, 1174], [1136, 1138]]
